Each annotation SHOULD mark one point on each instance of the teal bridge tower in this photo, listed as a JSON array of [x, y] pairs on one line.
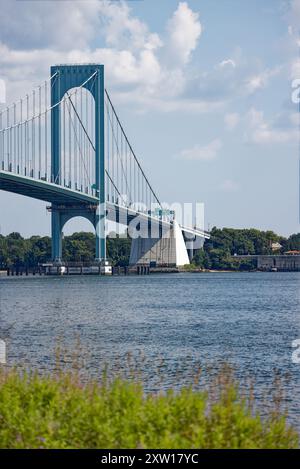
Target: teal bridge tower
[[64, 78]]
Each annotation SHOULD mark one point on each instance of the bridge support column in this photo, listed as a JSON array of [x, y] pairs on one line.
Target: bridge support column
[[56, 236], [168, 250], [60, 216], [100, 233]]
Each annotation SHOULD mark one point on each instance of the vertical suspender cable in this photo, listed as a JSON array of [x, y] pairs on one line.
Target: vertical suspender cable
[[46, 133], [40, 135], [33, 135]]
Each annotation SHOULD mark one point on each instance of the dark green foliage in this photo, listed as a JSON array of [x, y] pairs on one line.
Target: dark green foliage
[[79, 247], [218, 252], [292, 243], [118, 249], [224, 244], [61, 412]]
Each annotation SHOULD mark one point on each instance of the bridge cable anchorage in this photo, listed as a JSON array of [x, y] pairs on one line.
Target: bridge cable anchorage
[[132, 151]]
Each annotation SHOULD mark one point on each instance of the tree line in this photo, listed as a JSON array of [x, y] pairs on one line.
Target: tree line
[[218, 252], [79, 247], [224, 244]]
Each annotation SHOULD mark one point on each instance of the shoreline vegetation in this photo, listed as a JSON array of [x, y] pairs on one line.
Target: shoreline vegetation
[[60, 410], [220, 253]]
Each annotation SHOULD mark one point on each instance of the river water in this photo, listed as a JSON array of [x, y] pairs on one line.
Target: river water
[[172, 321]]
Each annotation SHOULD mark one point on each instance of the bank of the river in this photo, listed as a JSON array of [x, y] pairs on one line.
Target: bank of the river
[[176, 321]]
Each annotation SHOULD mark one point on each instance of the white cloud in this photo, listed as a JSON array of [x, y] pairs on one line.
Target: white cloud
[[229, 186], [260, 80], [140, 65], [295, 68], [231, 120], [292, 41], [184, 30], [202, 152], [122, 30], [255, 118], [59, 25], [283, 128], [292, 16], [2, 92], [266, 135], [227, 62]]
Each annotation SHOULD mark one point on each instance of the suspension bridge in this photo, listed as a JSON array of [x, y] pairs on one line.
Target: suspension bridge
[[63, 143]]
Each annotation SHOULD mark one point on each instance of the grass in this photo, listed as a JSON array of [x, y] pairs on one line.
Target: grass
[[59, 411]]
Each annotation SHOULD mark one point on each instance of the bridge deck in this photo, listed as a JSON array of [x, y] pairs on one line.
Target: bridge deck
[[53, 193], [43, 190], [124, 215]]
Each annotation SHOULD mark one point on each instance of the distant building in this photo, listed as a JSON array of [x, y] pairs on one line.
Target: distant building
[[276, 262], [292, 253]]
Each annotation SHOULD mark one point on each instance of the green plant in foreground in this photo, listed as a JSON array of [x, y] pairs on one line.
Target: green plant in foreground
[[60, 412]]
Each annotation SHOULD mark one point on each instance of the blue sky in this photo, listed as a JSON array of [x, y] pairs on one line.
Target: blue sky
[[203, 89]]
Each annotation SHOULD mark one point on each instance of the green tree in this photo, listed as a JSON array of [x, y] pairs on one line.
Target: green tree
[[292, 243], [224, 244]]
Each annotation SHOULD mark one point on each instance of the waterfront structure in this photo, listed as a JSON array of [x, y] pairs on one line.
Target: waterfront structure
[[278, 262]]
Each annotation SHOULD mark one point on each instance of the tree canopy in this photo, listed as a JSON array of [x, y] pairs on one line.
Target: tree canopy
[[218, 252], [79, 247]]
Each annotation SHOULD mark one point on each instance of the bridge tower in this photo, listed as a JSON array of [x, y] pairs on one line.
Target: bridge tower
[[64, 78]]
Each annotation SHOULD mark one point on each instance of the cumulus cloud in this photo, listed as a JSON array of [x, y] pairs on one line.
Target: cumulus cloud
[[60, 25], [122, 30], [231, 120], [184, 30], [227, 63], [103, 31], [260, 80], [202, 152], [283, 128], [152, 70]]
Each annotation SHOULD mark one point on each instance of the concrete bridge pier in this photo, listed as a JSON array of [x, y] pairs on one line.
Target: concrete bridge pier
[[167, 250]]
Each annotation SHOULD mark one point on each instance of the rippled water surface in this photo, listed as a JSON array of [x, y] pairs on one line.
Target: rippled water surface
[[249, 319]]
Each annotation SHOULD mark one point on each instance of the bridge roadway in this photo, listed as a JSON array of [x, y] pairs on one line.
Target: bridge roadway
[[62, 196]]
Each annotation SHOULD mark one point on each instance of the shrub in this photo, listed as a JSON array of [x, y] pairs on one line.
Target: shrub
[[58, 411]]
